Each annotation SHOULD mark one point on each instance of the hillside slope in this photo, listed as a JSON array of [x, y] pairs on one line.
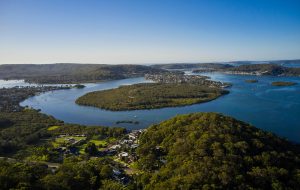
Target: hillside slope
[[212, 151]]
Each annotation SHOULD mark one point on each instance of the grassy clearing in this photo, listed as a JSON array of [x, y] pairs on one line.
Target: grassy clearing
[[53, 128], [111, 139], [64, 140], [82, 148], [99, 142], [133, 169]]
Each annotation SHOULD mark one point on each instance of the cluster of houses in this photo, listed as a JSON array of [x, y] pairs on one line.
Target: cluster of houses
[[173, 78], [182, 78], [119, 176], [125, 148]]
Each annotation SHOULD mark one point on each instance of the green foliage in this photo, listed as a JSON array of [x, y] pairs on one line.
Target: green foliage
[[99, 143], [150, 96], [101, 132], [41, 153], [53, 128], [21, 175], [73, 174], [10, 98], [112, 185], [91, 149], [212, 151], [28, 127]]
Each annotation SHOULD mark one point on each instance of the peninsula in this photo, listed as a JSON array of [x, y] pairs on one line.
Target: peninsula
[[213, 151], [179, 78], [150, 96]]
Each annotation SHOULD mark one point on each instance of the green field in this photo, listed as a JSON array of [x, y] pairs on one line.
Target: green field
[[53, 128], [99, 142], [64, 140]]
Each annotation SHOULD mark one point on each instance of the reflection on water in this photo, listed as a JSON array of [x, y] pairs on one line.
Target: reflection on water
[[271, 108]]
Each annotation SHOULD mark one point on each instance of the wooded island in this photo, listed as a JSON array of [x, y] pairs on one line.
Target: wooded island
[[150, 96]]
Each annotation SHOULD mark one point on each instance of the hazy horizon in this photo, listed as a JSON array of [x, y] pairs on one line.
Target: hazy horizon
[[148, 32], [155, 63]]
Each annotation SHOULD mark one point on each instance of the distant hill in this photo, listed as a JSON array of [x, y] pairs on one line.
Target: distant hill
[[283, 62], [191, 65], [232, 65], [212, 151], [72, 73], [266, 69], [278, 62], [252, 69]]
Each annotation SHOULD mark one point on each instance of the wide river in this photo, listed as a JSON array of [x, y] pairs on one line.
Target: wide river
[[275, 109]]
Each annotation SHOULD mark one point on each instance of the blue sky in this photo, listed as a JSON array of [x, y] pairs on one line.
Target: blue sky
[[148, 31]]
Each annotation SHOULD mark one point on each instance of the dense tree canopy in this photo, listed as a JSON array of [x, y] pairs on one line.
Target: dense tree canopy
[[28, 127], [72, 174], [212, 151], [23, 128]]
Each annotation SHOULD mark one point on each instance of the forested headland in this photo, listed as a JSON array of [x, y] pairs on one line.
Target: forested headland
[[212, 151]]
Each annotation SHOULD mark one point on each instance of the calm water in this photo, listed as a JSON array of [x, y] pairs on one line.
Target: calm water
[[295, 65], [275, 109], [22, 83]]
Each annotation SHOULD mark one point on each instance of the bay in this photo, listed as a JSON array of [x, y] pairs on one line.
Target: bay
[[275, 109]]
